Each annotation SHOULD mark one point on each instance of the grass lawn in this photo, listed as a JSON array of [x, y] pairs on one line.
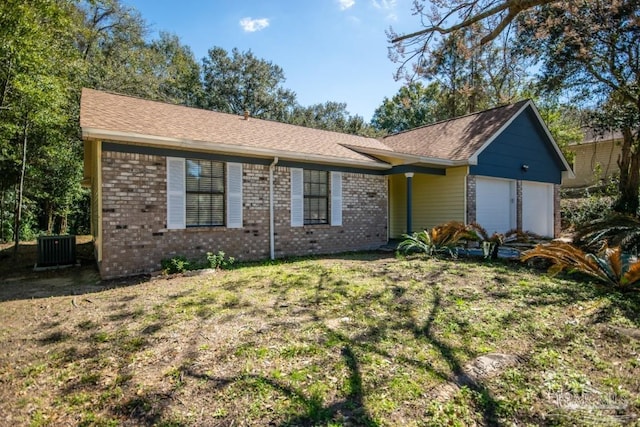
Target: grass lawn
[[363, 339]]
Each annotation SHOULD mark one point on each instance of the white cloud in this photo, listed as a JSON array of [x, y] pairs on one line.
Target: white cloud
[[346, 4], [388, 6], [251, 25], [384, 4]]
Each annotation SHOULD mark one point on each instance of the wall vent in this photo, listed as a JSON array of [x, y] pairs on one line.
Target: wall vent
[[56, 251]]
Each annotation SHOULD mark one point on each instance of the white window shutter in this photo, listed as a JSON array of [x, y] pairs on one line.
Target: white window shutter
[[234, 195], [176, 193], [336, 198], [297, 197]]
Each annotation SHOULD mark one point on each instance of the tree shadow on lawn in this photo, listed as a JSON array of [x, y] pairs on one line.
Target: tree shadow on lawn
[[151, 407], [351, 408]]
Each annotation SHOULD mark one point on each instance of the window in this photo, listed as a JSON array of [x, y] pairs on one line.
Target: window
[[316, 197], [310, 194], [205, 198]]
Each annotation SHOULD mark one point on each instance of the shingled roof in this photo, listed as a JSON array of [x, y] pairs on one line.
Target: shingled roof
[[114, 117], [120, 118], [456, 139]]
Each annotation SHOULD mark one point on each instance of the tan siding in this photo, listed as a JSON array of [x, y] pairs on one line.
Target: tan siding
[[438, 199], [397, 206], [587, 157]]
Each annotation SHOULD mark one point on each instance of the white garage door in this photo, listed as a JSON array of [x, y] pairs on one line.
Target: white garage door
[[537, 208], [496, 204]]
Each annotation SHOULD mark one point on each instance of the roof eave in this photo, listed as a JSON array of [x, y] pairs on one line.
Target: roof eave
[[406, 159], [191, 145]]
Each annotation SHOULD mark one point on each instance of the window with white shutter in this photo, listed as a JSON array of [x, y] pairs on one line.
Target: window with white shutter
[[310, 197], [297, 197], [336, 198], [203, 193], [234, 195], [175, 193]]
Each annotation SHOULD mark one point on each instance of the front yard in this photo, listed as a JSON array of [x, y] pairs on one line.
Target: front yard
[[364, 339]]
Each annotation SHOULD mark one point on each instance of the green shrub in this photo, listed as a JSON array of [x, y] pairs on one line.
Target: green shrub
[[614, 230], [218, 261], [180, 264], [577, 212], [177, 264]]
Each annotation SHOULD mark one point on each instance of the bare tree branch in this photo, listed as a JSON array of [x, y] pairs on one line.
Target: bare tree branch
[[514, 7]]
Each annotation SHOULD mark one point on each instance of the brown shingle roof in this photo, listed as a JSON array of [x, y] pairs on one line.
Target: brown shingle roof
[[102, 112], [454, 139]]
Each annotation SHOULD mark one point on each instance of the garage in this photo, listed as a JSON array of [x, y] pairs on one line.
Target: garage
[[537, 208], [496, 204]]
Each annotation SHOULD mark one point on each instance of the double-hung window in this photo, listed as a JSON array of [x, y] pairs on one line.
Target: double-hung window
[[316, 197], [204, 193]]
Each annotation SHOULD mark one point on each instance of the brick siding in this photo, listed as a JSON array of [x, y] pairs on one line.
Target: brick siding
[[134, 217], [471, 199]]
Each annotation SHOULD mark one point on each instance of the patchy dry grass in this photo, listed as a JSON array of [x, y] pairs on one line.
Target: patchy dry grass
[[362, 339]]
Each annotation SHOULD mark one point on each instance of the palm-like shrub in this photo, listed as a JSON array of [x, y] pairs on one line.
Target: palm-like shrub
[[614, 230], [491, 243], [609, 265], [442, 238]]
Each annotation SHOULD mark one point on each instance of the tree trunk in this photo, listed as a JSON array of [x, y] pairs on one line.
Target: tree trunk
[[2, 196], [629, 163], [18, 218], [50, 218], [63, 223]]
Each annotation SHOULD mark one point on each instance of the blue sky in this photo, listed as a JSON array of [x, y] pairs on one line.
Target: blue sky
[[330, 50]]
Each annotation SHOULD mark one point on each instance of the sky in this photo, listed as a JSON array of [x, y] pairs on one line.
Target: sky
[[329, 50]]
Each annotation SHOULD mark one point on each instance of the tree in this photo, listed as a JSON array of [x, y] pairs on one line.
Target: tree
[[564, 123], [444, 17], [589, 50], [176, 70], [414, 105], [241, 82], [37, 62], [331, 116]]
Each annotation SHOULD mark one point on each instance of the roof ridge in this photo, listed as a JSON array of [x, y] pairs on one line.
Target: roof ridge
[[109, 92], [497, 107]]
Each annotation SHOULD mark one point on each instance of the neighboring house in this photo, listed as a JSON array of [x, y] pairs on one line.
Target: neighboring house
[[595, 158], [168, 180]]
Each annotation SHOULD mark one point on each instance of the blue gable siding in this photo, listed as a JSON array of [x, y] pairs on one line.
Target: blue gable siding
[[523, 142]]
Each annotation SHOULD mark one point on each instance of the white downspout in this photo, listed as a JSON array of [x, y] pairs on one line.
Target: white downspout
[[272, 244]]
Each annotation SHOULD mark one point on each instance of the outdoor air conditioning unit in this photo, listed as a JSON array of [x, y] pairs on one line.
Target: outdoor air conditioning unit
[[56, 251]]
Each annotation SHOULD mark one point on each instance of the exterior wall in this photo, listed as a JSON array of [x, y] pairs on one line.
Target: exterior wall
[[436, 199], [134, 217], [364, 218], [588, 158], [93, 175], [523, 142], [471, 199], [397, 206]]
